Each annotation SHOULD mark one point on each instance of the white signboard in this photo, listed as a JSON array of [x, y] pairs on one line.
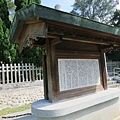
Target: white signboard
[[78, 73]]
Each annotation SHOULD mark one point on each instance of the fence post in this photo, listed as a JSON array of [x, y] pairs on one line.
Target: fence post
[[40, 73], [19, 77], [26, 72], [3, 75], [33, 75], [23, 72], [15, 73], [11, 72], [29, 71], [7, 71], [36, 73]]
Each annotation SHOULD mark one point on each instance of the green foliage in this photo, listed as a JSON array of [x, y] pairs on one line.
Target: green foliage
[[7, 50], [11, 8], [9, 53], [116, 18], [113, 55], [29, 55], [32, 55], [22, 3], [4, 15], [95, 9], [1, 29], [10, 5]]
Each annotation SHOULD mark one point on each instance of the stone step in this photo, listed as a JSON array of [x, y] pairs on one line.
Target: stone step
[[111, 82], [114, 85]]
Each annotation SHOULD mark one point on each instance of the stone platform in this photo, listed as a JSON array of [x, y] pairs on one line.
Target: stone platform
[[103, 105]]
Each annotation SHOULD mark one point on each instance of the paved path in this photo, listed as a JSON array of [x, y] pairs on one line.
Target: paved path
[[23, 117]]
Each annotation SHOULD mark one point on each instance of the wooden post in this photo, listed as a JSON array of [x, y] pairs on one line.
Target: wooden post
[[103, 69], [51, 71], [45, 81]]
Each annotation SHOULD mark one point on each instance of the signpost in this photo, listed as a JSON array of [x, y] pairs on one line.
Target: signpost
[[74, 64]]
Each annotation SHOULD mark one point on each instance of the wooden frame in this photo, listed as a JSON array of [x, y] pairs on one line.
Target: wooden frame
[[54, 94], [80, 91]]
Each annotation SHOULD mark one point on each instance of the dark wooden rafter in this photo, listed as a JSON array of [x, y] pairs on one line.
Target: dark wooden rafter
[[82, 36], [110, 48]]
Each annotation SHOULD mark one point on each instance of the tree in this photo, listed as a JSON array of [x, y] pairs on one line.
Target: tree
[[116, 18], [4, 15], [34, 56], [115, 21], [22, 3], [11, 8], [10, 5], [101, 10], [7, 50]]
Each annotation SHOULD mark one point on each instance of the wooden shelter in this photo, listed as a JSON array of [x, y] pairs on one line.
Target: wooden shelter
[[74, 64]]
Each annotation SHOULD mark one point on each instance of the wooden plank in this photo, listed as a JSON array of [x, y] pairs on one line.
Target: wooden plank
[[79, 92], [77, 54], [77, 46], [85, 40]]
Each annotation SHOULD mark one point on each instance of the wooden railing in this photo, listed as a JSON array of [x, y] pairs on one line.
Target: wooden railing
[[17, 73]]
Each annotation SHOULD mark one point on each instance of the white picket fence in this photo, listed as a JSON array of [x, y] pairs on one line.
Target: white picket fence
[[18, 73]]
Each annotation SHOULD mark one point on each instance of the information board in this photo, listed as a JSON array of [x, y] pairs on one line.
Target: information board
[[78, 73]]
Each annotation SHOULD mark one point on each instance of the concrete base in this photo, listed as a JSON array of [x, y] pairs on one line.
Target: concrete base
[[103, 105]]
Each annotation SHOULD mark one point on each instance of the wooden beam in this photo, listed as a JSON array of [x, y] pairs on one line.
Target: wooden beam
[[56, 41], [86, 40]]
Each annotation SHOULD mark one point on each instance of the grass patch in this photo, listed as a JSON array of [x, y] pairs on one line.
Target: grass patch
[[13, 110]]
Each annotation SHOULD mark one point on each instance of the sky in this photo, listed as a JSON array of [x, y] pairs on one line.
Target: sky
[[65, 4]]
